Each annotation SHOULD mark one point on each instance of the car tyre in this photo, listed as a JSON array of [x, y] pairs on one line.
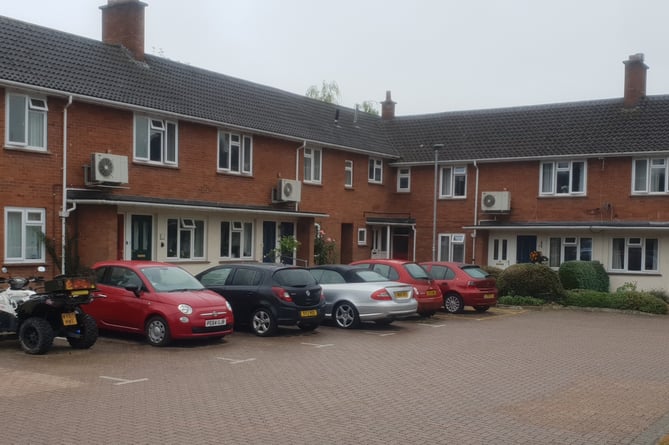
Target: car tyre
[[453, 303], [263, 322], [36, 335], [157, 331], [346, 316], [89, 333], [481, 308]]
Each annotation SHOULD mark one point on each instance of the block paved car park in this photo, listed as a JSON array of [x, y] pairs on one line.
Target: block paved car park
[[508, 376]]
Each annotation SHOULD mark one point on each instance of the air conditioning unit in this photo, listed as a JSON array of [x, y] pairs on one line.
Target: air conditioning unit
[[289, 190], [108, 168], [496, 201]]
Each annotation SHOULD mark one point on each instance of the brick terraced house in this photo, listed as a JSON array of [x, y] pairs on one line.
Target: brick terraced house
[[114, 153]]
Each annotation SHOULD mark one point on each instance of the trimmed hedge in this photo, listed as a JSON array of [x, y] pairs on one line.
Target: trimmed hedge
[[625, 300], [584, 275], [537, 280]]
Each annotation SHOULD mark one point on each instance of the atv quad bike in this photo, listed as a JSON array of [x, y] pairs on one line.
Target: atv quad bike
[[39, 317]]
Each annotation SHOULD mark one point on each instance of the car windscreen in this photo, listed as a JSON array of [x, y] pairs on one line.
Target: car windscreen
[[170, 279], [475, 272], [416, 271], [294, 278]]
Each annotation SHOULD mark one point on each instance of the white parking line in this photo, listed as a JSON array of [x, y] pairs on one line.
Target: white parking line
[[380, 334], [431, 325], [317, 345], [120, 381], [234, 361]]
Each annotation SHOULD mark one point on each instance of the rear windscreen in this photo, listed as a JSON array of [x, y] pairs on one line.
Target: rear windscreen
[[294, 277]]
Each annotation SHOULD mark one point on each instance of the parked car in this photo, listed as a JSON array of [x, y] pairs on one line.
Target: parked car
[[463, 285], [159, 300], [353, 295], [268, 295], [426, 292]]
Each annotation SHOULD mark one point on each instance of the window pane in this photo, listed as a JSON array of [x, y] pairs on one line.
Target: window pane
[[156, 146], [640, 171], [172, 237], [651, 254], [578, 177], [569, 253], [225, 238], [14, 239], [223, 151], [185, 239], [33, 242], [555, 252], [459, 252], [618, 260], [36, 121], [171, 155], [198, 248], [17, 119], [307, 165], [248, 240], [235, 245], [246, 167], [459, 186], [562, 182], [317, 165], [657, 178], [586, 249], [445, 182], [547, 178], [634, 258], [444, 247], [141, 137], [234, 157]]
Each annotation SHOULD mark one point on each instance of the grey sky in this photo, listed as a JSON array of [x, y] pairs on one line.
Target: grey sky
[[434, 55]]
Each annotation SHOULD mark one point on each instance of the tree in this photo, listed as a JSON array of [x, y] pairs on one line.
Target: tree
[[368, 107], [329, 92]]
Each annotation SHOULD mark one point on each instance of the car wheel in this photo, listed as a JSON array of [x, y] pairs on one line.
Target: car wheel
[[307, 327], [263, 322], [346, 316], [157, 332], [481, 308], [36, 335], [88, 333], [453, 303]]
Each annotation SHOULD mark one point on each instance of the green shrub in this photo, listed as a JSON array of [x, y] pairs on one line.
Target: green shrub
[[659, 293], [511, 300], [494, 271], [584, 275], [625, 299], [528, 279]]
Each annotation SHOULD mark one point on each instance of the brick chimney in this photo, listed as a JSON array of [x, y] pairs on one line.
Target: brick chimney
[[388, 108], [635, 80], [123, 24]]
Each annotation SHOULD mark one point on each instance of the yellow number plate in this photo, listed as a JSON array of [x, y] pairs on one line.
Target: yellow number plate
[[69, 318], [78, 293], [402, 294], [489, 296], [431, 293], [310, 313]]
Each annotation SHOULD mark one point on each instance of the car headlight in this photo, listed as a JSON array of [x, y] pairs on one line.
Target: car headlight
[[185, 309]]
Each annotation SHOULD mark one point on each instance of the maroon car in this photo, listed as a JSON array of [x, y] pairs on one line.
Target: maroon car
[[463, 285]]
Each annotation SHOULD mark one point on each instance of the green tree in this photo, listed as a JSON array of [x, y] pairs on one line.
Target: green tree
[[328, 92], [369, 107]]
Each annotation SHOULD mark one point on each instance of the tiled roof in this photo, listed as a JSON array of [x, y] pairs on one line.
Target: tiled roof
[[571, 129], [63, 62]]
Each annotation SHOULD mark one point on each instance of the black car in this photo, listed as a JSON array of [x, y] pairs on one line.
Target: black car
[[267, 295]]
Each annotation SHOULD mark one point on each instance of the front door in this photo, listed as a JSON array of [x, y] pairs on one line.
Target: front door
[[287, 229], [524, 245], [140, 237], [268, 241], [401, 243]]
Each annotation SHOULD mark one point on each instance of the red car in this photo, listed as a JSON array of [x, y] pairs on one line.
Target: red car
[[159, 300], [426, 291], [463, 285]]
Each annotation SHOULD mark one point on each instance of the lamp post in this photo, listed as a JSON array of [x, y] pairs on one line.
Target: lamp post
[[436, 148]]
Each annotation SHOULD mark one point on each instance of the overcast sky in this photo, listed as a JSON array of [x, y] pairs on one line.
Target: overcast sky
[[434, 55]]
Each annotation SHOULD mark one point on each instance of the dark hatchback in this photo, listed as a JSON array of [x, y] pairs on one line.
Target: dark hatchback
[[265, 296]]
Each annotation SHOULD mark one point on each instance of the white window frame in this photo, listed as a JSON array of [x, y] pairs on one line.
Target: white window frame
[[146, 127], [404, 173], [375, 171], [33, 221], [449, 179], [558, 245], [313, 165], [641, 245], [644, 177], [447, 245], [243, 232], [35, 116], [550, 171], [186, 227], [235, 153], [348, 174], [362, 237]]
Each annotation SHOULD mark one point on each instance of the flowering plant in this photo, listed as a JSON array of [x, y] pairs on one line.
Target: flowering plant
[[324, 248], [537, 257]]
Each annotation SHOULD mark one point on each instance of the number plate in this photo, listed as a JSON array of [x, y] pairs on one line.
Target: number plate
[[69, 318], [402, 294], [310, 313], [489, 296], [431, 293], [79, 293], [216, 322]]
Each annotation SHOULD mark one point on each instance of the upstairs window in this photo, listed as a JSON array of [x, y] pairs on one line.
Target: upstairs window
[[185, 238], [235, 153], [453, 182], [155, 140], [312, 165], [26, 121], [404, 179], [649, 176], [375, 171], [563, 178], [348, 174], [24, 229]]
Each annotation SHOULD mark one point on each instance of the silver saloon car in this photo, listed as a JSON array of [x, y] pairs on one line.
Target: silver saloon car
[[353, 295]]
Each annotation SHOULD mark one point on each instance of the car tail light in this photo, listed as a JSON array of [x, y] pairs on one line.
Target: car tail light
[[281, 294], [381, 294]]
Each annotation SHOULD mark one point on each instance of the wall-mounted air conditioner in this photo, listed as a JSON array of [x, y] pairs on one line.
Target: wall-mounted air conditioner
[[495, 201], [289, 190], [108, 168]]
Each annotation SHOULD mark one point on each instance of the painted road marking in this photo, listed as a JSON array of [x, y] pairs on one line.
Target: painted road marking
[[317, 345], [234, 361], [120, 381], [380, 334]]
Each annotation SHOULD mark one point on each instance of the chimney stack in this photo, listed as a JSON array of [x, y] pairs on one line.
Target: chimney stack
[[123, 24], [388, 108], [635, 80]]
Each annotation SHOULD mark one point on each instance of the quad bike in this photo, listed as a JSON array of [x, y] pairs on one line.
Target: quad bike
[[38, 316]]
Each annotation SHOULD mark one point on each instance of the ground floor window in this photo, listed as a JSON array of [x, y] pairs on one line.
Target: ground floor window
[[185, 238], [635, 254], [569, 248], [452, 247], [236, 239], [24, 235]]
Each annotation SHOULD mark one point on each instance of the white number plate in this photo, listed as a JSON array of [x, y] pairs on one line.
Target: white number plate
[[216, 322]]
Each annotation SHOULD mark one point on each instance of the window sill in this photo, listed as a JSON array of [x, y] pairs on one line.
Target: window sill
[[27, 149], [634, 273], [154, 164]]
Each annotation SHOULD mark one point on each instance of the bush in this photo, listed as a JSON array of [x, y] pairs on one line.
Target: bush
[[520, 301], [494, 271], [624, 299], [536, 280], [584, 275]]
